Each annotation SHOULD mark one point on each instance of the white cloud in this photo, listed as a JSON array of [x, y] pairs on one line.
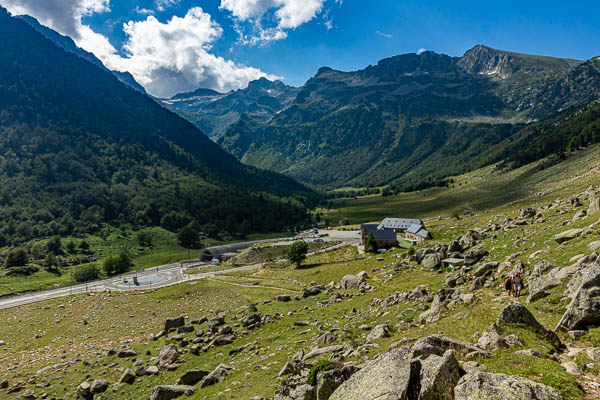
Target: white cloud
[[421, 50], [166, 58], [172, 57], [270, 19], [143, 11], [63, 16], [162, 5], [385, 35]]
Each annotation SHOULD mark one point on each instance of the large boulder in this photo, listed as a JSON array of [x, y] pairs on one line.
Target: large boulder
[[432, 261], [486, 269], [192, 377], [387, 377], [481, 385], [174, 323], [379, 332], [438, 345], [473, 256], [438, 377], [517, 313], [128, 376], [84, 391], [352, 281], [540, 284], [167, 355], [168, 392], [433, 313], [217, 375], [584, 309], [99, 386], [568, 235], [329, 381]]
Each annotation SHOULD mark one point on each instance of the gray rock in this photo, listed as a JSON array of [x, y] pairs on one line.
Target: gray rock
[[512, 341], [439, 375], [593, 246], [192, 377], [433, 313], [594, 207], [491, 340], [486, 269], [323, 350], [174, 323], [593, 353], [568, 235], [329, 381], [84, 391], [29, 394], [296, 392], [151, 370], [326, 338], [472, 257], [124, 353], [310, 291], [432, 261], [99, 386], [215, 376], [584, 309], [488, 386], [379, 332], [352, 281], [4, 384], [517, 313], [128, 376], [572, 368], [478, 283], [385, 378], [167, 355], [283, 298], [529, 352], [168, 392], [576, 334], [438, 345]]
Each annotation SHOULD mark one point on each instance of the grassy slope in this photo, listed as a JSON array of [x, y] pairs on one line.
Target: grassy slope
[[255, 370]]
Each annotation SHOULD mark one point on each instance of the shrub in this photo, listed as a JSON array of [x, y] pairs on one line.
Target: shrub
[[71, 247], [144, 238], [322, 365], [411, 251], [54, 245], [296, 253], [117, 264], [17, 258], [371, 244], [188, 236], [84, 245], [50, 262], [86, 273]]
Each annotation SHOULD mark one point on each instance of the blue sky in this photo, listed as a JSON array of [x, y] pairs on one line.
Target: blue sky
[[224, 43]]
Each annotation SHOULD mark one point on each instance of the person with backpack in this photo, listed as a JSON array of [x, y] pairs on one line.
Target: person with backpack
[[517, 283], [508, 284]]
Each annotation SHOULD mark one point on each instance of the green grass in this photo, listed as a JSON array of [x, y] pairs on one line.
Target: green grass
[[165, 250], [115, 319]]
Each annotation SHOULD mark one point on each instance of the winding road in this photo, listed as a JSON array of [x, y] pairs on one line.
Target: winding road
[[151, 278]]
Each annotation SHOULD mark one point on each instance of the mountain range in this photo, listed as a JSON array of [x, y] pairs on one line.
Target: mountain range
[[410, 118], [80, 150], [213, 112]]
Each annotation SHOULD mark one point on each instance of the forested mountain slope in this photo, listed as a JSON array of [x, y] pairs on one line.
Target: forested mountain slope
[[78, 149]]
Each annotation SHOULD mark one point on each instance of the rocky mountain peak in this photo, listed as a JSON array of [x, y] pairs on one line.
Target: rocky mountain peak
[[487, 61]]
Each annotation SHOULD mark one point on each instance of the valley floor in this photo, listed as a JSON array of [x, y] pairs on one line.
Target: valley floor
[[52, 347]]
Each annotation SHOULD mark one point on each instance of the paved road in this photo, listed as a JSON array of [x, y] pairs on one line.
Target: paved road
[[162, 276]]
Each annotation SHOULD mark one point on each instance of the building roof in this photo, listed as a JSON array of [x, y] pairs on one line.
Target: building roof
[[399, 223], [414, 228], [379, 233], [424, 233]]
